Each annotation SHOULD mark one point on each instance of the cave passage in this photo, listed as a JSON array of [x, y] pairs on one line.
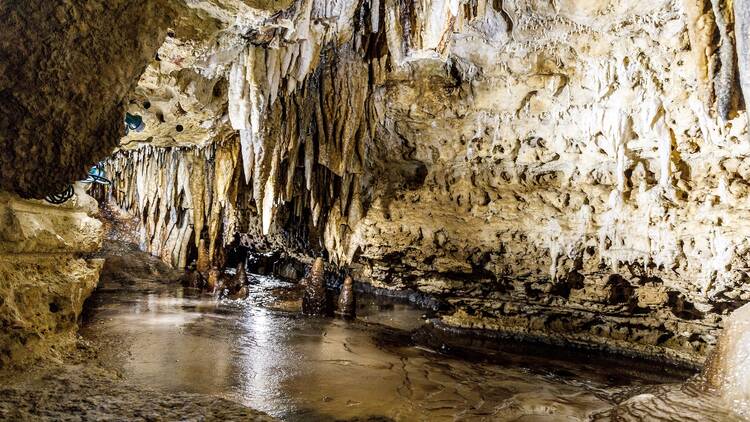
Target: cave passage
[[375, 210], [388, 364]]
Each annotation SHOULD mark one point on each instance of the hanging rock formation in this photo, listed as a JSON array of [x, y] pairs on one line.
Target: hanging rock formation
[[65, 69], [572, 172], [742, 34]]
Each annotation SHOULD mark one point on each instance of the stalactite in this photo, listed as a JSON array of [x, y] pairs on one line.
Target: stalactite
[[742, 36], [701, 26], [297, 95], [725, 79]]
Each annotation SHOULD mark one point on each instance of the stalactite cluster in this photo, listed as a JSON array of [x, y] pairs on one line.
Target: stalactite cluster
[[303, 160], [570, 170]]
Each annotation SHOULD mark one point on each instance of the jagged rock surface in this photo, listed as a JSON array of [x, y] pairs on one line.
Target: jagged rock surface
[[569, 170], [65, 69], [44, 277]]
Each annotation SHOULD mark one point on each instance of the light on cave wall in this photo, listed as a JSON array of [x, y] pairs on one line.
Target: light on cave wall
[[134, 122]]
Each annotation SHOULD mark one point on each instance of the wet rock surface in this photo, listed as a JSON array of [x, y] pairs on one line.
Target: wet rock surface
[[176, 351], [83, 393], [87, 383]]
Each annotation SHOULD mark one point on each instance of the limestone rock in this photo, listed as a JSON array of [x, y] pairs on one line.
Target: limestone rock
[[65, 69], [575, 171], [347, 304], [43, 278], [727, 371], [314, 290]]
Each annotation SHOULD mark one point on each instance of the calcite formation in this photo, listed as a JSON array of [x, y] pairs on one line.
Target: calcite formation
[[45, 275], [568, 171], [314, 299], [726, 370], [347, 306]]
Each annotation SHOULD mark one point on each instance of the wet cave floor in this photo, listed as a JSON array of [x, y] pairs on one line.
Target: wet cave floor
[[197, 358]]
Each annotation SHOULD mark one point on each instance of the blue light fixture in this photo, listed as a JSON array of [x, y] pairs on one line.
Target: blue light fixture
[[134, 122]]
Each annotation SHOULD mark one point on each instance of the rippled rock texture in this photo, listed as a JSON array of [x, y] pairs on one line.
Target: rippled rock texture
[[44, 274], [573, 171], [82, 393]]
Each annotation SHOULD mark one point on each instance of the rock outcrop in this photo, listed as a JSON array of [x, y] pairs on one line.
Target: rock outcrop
[[65, 70], [45, 275], [567, 171]]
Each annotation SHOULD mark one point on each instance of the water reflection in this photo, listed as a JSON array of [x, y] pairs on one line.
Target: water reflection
[[261, 353]]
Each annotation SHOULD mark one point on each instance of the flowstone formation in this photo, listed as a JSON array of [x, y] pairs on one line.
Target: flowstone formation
[[568, 171]]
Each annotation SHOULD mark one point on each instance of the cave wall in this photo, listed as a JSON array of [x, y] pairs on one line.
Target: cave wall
[[46, 273], [570, 171], [65, 68], [590, 189]]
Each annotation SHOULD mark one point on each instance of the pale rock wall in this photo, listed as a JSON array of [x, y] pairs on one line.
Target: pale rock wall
[[579, 186], [45, 275], [726, 370], [571, 171]]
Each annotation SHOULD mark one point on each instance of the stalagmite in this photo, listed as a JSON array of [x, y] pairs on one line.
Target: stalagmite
[[346, 304], [241, 275], [213, 281], [314, 293], [727, 369], [236, 288]]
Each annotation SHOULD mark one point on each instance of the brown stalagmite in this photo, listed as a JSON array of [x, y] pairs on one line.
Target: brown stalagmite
[[347, 304], [236, 287], [203, 265], [241, 275], [314, 295], [214, 277]]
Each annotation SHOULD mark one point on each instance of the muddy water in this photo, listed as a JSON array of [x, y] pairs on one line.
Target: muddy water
[[384, 366]]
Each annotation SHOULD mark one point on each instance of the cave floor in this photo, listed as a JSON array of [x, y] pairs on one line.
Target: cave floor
[[154, 350]]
